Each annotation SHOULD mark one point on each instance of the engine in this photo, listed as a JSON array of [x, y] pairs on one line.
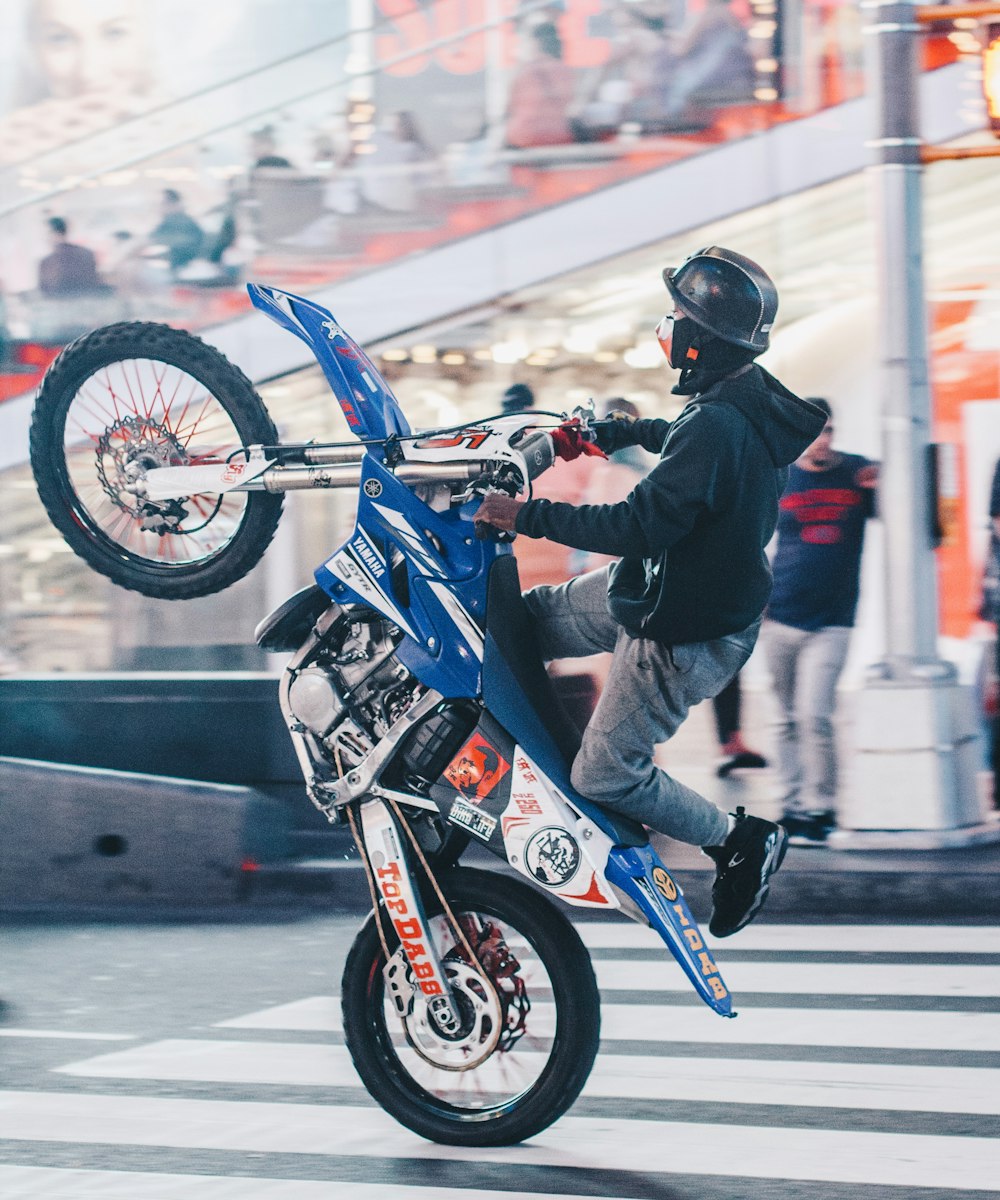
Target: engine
[[353, 690], [346, 697]]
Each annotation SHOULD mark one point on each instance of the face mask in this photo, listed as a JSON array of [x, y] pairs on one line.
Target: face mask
[[665, 335], [679, 347]]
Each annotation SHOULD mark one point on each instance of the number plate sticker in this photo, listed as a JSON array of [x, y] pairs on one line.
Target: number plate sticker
[[478, 823]]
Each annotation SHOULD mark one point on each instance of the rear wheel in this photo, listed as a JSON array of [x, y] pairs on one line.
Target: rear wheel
[[129, 398], [549, 1019]]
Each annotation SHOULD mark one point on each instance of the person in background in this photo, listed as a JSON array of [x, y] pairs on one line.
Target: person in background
[[624, 470], [69, 270], [807, 628], [636, 53], [541, 92], [990, 611], [542, 561], [178, 231], [264, 149], [708, 57], [399, 164], [681, 610], [736, 754]]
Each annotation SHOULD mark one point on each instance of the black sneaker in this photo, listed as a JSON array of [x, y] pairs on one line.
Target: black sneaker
[[809, 828], [743, 865], [740, 760]]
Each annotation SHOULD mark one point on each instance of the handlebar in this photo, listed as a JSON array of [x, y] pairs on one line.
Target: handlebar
[[340, 467]]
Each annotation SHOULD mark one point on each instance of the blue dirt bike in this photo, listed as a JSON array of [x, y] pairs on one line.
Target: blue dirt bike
[[415, 697]]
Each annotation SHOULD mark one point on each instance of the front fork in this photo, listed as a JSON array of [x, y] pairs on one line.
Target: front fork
[[402, 907]]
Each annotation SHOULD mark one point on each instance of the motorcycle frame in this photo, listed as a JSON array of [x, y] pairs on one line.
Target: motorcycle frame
[[426, 572]]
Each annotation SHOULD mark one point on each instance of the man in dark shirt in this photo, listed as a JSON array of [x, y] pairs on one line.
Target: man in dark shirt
[[817, 564], [70, 270], [681, 610], [177, 231]]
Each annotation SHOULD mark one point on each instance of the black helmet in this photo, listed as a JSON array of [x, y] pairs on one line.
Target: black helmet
[[727, 295]]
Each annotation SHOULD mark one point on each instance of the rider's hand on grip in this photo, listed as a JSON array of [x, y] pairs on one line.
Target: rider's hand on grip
[[497, 514], [569, 441]]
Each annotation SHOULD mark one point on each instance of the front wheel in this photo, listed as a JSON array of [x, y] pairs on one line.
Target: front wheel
[[549, 1019], [136, 396]]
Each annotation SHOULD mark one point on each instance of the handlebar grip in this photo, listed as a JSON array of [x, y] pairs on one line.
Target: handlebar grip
[[539, 453]]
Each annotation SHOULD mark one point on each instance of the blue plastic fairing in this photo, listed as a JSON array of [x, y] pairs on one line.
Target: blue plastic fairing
[[426, 571], [369, 406], [638, 872]]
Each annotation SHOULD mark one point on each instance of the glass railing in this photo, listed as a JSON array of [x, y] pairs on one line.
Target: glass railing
[[410, 126]]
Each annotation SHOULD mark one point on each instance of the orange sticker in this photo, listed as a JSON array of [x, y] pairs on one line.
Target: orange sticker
[[476, 769], [664, 884]]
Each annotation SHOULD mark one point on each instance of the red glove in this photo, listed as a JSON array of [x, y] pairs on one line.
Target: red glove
[[569, 443]]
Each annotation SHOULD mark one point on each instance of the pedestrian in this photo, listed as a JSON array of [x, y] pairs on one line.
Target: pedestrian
[[727, 709], [69, 270], [817, 565], [541, 92], [681, 610], [990, 611], [264, 150], [544, 561], [178, 231]]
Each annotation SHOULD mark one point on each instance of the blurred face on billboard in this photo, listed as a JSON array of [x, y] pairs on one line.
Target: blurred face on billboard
[[86, 47]]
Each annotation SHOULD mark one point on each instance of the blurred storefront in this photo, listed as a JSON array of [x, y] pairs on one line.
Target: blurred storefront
[[573, 336]]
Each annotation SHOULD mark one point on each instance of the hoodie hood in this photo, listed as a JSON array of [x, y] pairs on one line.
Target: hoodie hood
[[786, 423]]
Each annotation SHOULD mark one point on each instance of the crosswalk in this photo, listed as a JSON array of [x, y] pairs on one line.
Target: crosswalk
[[863, 1056]]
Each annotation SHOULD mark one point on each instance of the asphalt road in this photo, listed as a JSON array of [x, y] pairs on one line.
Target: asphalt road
[[203, 1061]]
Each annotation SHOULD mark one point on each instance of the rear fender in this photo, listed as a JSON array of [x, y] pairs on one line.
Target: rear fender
[[638, 872]]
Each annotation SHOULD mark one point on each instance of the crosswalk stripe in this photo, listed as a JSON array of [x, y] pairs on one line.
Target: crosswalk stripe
[[581, 1143], [66, 1034], [754, 1081], [849, 939], [888, 1029], [69, 1183], [791, 978]]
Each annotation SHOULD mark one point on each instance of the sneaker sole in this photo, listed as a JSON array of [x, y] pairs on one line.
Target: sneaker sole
[[775, 858]]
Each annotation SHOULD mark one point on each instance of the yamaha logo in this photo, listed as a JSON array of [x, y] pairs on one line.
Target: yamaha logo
[[373, 488]]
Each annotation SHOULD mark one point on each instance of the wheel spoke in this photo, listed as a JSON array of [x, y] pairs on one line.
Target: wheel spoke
[[125, 413], [506, 1074]]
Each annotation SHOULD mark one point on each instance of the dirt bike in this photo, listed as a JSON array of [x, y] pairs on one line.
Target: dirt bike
[[415, 696]]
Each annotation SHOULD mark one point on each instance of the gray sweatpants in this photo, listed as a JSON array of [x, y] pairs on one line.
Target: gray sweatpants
[[649, 690], [805, 666]]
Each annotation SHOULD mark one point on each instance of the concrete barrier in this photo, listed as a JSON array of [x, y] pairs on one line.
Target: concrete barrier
[[89, 837]]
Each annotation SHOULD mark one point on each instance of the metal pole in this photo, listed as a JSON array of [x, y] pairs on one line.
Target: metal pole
[[904, 502], [916, 738]]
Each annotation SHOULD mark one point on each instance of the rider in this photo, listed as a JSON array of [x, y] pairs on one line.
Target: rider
[[681, 608]]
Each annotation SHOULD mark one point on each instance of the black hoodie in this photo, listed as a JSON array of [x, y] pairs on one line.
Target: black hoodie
[[691, 535]]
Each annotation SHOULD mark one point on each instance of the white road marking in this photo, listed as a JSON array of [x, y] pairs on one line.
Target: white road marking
[[580, 1143], [723, 1080], [858, 939], [69, 1034], [804, 979], [887, 1029], [66, 1183]]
